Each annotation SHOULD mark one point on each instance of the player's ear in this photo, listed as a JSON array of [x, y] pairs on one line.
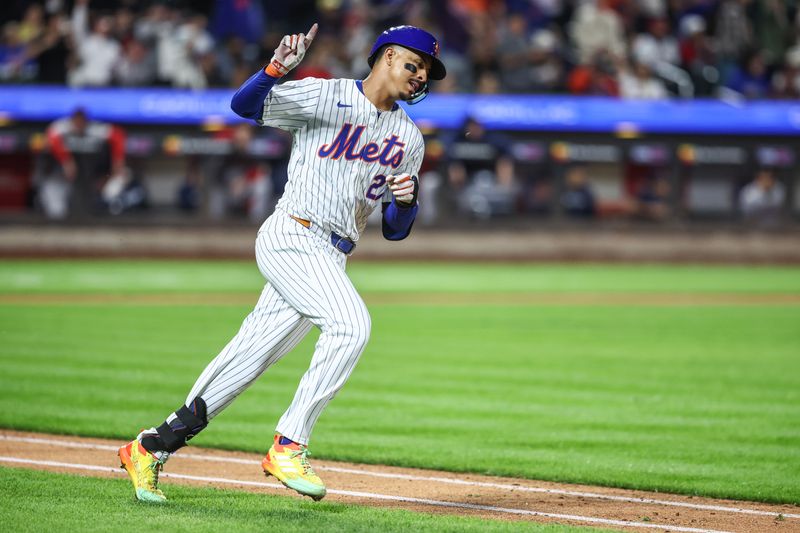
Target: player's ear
[[388, 55]]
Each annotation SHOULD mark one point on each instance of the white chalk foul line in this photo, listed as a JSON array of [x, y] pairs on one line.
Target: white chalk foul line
[[561, 492], [452, 481], [375, 496]]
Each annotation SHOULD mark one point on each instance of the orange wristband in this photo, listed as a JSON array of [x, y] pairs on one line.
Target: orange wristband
[[272, 70]]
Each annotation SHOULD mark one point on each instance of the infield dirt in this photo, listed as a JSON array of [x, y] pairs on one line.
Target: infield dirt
[[418, 490]]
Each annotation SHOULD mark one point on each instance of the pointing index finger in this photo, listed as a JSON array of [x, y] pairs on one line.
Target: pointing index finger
[[311, 34]]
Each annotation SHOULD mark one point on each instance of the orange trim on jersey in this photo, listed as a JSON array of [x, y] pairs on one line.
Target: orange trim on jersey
[[57, 146], [116, 141], [301, 221]]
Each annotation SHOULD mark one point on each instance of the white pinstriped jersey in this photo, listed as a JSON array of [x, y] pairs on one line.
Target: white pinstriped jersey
[[342, 150]]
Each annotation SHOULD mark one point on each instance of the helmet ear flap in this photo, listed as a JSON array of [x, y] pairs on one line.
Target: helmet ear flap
[[418, 96]]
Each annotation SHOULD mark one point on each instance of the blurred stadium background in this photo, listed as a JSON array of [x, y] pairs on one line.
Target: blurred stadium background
[[568, 129]]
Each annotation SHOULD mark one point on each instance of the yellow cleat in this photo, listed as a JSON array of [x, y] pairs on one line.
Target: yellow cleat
[[143, 468], [288, 461]]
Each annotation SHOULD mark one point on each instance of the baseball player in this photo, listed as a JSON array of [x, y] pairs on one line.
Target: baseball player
[[77, 145], [353, 149]]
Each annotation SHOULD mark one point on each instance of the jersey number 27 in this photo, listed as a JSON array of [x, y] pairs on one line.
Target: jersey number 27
[[373, 193]]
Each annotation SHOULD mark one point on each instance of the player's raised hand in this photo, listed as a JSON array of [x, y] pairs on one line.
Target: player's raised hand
[[404, 187], [291, 51]]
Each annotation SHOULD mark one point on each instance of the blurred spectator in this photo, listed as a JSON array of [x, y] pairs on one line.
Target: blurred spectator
[[547, 67], [657, 45], [698, 55], [320, 61], [244, 18], [158, 29], [188, 195], [786, 82], [157, 20], [240, 182], [389, 13], [595, 78], [484, 52], [180, 47], [659, 51], [357, 39], [97, 52], [639, 83], [514, 55], [578, 199], [51, 51], [734, 33], [488, 83], [652, 201], [480, 172], [773, 29], [136, 67], [32, 25], [14, 62], [85, 153], [653, 9], [461, 75], [539, 13], [123, 27], [761, 201], [235, 54], [752, 81], [430, 178], [596, 27]]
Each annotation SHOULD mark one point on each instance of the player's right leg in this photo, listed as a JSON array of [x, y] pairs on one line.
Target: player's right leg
[[310, 274], [270, 331]]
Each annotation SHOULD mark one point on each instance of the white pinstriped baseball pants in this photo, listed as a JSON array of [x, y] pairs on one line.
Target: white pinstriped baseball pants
[[306, 286]]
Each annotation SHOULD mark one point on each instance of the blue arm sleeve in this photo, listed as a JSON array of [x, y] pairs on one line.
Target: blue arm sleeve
[[248, 102], [397, 220]]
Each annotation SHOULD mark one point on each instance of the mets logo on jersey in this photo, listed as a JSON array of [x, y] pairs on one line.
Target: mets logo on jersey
[[346, 144]]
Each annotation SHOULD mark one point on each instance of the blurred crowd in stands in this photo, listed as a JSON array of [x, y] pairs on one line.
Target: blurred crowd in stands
[[626, 48], [84, 170], [729, 49]]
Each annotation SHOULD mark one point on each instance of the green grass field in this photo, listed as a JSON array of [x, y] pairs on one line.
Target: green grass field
[[38, 501], [701, 399]]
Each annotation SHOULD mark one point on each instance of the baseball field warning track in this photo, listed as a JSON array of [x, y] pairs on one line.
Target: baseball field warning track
[[419, 490]]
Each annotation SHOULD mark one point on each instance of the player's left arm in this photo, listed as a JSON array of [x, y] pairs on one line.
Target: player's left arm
[[401, 211]]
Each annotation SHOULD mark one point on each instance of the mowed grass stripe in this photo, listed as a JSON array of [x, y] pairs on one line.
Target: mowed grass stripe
[[424, 298], [130, 276], [692, 400], [39, 501]]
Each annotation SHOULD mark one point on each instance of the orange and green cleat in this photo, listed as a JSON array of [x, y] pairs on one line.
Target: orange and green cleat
[[143, 468], [288, 461]]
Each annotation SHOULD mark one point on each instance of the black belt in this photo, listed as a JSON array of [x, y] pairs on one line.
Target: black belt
[[343, 244]]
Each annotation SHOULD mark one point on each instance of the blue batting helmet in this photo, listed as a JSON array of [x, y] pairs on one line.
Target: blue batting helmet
[[415, 39]]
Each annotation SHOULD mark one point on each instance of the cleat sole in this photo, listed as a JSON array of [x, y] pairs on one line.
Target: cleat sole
[[299, 487]]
